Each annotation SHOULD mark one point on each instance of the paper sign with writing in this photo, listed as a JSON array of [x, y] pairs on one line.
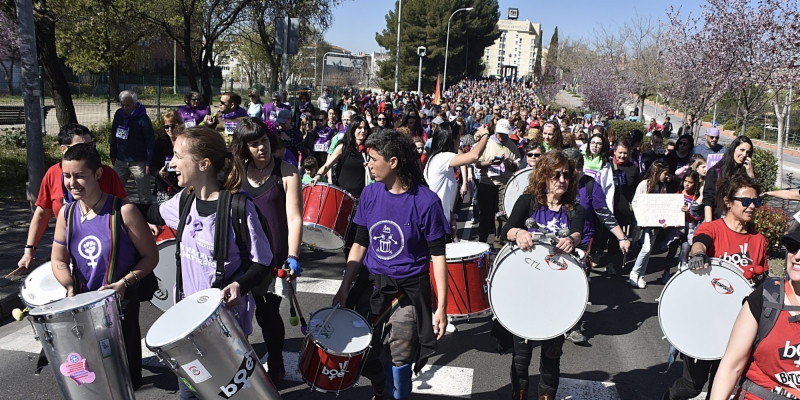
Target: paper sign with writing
[[713, 159], [658, 209]]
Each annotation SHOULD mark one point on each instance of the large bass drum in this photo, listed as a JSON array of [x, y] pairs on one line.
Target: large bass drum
[[82, 339], [201, 341], [697, 308], [164, 297], [536, 294]]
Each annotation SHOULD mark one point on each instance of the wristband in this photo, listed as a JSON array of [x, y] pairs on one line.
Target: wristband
[[292, 256], [517, 234], [126, 283], [624, 238], [135, 276], [571, 239], [29, 246]]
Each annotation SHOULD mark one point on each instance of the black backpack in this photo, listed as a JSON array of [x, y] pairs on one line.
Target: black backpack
[[231, 208], [147, 287]]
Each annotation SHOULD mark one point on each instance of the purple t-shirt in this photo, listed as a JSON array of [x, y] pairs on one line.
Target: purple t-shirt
[[90, 247], [271, 111], [197, 252], [553, 220], [400, 227], [193, 116], [598, 202]]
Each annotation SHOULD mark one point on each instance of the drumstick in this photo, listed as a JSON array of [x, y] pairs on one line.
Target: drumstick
[[13, 275], [292, 313], [293, 297], [328, 318]]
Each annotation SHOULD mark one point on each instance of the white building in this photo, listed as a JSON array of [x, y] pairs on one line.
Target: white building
[[514, 53]]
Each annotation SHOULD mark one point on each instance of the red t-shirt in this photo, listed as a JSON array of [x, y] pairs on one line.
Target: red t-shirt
[[776, 361], [51, 193], [743, 249]]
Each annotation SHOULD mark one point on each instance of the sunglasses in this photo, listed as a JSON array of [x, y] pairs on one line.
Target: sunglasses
[[194, 99], [322, 119], [222, 103], [459, 110], [566, 174], [792, 246], [746, 201], [381, 119], [534, 155], [684, 144], [170, 126]]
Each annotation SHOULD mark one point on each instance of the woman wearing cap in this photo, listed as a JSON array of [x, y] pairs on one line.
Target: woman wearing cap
[[751, 353], [551, 200], [730, 238], [735, 161]]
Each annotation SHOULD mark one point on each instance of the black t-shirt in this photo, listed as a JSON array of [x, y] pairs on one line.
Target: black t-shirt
[[626, 179], [350, 174]]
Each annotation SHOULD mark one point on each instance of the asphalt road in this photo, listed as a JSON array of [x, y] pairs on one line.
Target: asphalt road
[[624, 359]]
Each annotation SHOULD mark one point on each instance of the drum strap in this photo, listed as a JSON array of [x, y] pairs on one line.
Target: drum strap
[[749, 386]]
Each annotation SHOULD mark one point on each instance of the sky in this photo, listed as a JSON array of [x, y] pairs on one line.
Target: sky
[[356, 21]]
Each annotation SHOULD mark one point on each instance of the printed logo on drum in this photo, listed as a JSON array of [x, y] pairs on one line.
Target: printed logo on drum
[[742, 258], [202, 299], [387, 239], [334, 373], [790, 352], [555, 263], [241, 379], [722, 286], [161, 294]]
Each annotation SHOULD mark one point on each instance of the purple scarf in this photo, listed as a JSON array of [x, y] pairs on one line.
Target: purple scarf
[[239, 112], [137, 112]]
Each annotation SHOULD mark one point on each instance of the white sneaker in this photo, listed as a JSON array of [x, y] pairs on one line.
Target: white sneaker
[[633, 280], [641, 283]]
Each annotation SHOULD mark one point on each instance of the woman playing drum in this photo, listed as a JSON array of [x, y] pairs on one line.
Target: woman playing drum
[[733, 239], [400, 227], [200, 154], [768, 374], [85, 237], [550, 200], [252, 144]]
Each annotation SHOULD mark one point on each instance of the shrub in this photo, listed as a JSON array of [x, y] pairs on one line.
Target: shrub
[[754, 132], [771, 222], [730, 125], [622, 128], [765, 166], [13, 138]]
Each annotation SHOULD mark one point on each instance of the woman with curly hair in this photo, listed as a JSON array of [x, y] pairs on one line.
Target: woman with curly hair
[[551, 200], [550, 136]]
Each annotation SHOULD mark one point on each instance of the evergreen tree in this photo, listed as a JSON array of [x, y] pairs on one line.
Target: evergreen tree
[[425, 24], [552, 51], [537, 66]]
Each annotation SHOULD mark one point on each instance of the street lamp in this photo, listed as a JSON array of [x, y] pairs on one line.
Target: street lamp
[[421, 51], [397, 64], [447, 45]]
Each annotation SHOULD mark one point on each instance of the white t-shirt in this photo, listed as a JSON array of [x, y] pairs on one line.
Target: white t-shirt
[[442, 180]]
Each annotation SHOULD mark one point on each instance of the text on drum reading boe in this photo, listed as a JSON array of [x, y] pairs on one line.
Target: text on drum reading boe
[[241, 379], [340, 373]]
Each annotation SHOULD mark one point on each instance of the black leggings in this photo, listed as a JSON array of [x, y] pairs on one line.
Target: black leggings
[[549, 364], [268, 316]]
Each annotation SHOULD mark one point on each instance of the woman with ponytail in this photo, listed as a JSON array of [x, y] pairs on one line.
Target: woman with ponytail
[[199, 155]]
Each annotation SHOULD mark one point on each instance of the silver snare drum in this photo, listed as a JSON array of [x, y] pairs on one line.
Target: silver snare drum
[[82, 338], [201, 341]]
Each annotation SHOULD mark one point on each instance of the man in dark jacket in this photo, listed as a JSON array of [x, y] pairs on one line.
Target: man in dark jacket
[[132, 139]]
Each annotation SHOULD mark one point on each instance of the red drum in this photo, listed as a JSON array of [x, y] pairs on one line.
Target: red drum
[[166, 234], [467, 270], [326, 214], [334, 350]]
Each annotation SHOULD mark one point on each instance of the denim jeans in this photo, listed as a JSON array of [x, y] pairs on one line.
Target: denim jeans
[[648, 239], [136, 168]]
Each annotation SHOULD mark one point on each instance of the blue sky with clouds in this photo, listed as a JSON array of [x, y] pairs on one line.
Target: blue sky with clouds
[[357, 21]]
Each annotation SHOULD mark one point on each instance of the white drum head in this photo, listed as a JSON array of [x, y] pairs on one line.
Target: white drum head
[[71, 303], [183, 318], [164, 297], [698, 308], [41, 287], [465, 250], [514, 188], [321, 237], [346, 332], [502, 253], [537, 296]]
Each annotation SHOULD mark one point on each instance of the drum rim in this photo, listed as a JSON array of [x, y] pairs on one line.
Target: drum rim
[[325, 228], [731, 266], [513, 177], [333, 186], [337, 353], [107, 293], [200, 326], [22, 286], [319, 389], [472, 256], [491, 307]]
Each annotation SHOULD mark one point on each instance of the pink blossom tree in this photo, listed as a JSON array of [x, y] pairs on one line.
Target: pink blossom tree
[[9, 47], [604, 87]]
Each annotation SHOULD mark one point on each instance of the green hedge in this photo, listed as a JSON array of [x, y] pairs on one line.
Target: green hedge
[[754, 132], [621, 127], [765, 166]]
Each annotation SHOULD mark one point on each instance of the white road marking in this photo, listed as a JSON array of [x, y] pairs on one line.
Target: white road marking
[[444, 381], [318, 286], [578, 389]]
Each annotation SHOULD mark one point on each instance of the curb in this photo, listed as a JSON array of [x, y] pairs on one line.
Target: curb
[[9, 301]]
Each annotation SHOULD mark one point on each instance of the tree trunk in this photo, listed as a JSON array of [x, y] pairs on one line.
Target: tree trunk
[[273, 79], [48, 60], [114, 73], [780, 113], [207, 72], [190, 65], [9, 74]]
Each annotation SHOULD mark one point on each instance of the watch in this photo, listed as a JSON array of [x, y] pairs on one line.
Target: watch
[[29, 246], [624, 238]]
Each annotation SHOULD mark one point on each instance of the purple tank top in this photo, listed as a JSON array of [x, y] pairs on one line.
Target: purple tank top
[[90, 247], [272, 204]]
